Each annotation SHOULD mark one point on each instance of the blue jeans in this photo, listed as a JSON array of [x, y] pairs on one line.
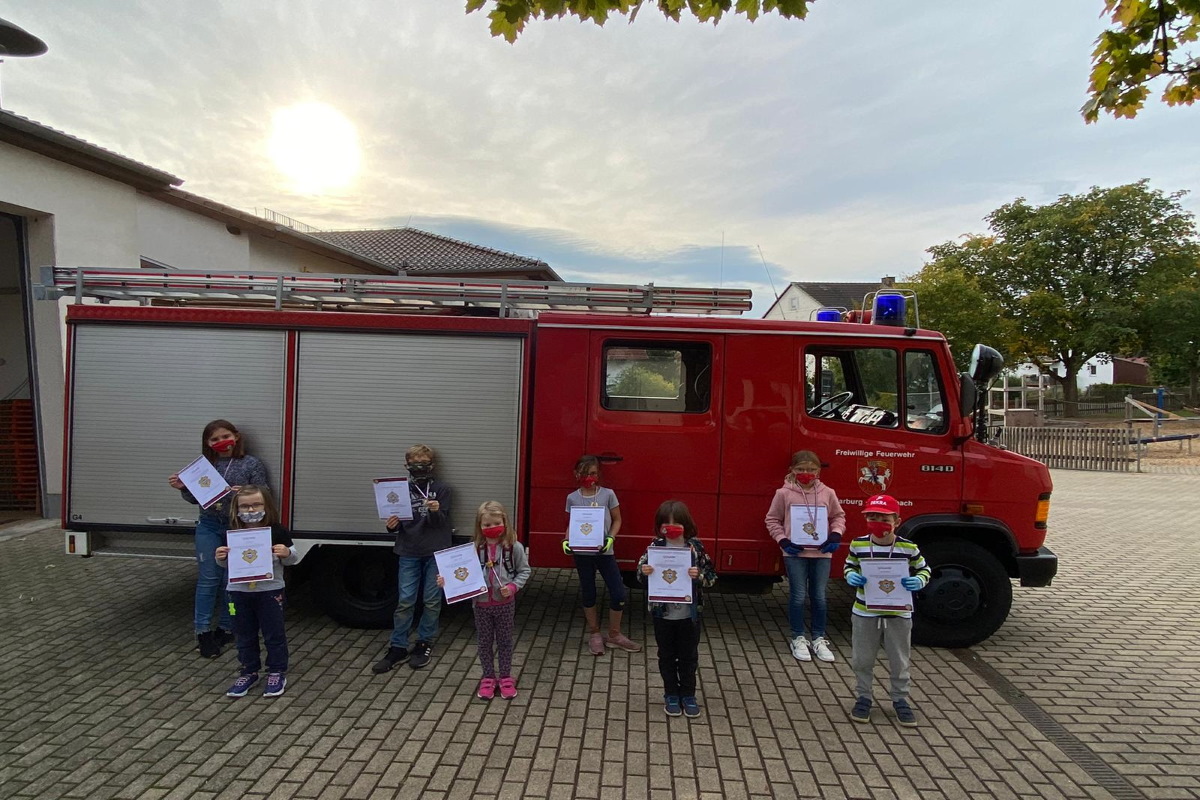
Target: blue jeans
[[807, 576], [210, 582], [412, 570], [255, 612]]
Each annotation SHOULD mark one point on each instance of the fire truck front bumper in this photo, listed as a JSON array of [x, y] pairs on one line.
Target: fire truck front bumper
[[1037, 569]]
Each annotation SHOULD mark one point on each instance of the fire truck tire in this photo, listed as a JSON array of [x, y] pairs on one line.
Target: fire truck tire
[[967, 598], [356, 586]]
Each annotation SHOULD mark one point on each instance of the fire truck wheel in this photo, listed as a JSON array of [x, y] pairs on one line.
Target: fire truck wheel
[[967, 598], [356, 586]]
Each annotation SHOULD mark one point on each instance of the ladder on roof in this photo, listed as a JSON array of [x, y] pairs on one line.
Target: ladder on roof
[[378, 293]]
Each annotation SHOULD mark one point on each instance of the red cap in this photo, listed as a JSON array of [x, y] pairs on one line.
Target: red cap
[[881, 504]]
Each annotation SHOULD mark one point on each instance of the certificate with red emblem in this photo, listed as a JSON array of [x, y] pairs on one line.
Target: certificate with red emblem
[[883, 591], [669, 582], [250, 557], [460, 569], [203, 480]]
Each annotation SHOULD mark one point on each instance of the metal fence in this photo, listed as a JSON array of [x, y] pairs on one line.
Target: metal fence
[[1096, 449]]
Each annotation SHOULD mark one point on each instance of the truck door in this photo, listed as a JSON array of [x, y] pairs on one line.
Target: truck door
[[875, 412], [653, 417]]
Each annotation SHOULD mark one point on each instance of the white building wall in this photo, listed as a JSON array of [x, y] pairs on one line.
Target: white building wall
[[185, 240], [1093, 372], [77, 218], [794, 304]]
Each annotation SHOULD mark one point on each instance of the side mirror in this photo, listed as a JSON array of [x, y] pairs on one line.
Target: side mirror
[[985, 364], [967, 393]]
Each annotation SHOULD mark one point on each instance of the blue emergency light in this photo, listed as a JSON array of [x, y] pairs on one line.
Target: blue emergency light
[[890, 309], [829, 315]]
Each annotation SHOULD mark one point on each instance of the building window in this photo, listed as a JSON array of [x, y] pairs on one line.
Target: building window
[[657, 376], [794, 304], [1091, 369]]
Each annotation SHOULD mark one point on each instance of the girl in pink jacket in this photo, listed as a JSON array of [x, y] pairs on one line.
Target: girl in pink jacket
[[815, 509]]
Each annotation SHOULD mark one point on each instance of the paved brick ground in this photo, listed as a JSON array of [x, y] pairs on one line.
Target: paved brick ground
[[102, 694]]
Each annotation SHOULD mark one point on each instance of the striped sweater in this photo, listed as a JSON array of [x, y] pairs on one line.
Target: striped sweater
[[862, 548]]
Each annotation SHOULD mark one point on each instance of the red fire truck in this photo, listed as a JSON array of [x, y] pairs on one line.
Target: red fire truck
[[330, 377]]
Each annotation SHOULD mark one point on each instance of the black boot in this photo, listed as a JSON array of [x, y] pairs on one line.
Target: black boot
[[222, 637], [394, 656], [208, 644]]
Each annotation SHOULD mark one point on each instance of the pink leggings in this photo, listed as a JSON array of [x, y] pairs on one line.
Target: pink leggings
[[494, 626]]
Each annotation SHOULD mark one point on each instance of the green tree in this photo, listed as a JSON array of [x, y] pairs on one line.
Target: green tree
[[1142, 45], [1071, 279], [951, 301], [641, 381], [1173, 336]]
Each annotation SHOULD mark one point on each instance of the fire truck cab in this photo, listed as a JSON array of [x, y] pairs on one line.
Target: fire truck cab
[[702, 408]]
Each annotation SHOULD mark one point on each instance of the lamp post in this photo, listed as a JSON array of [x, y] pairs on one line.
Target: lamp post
[[16, 42]]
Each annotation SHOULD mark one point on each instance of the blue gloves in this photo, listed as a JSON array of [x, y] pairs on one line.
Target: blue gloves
[[790, 547], [831, 544], [912, 583], [856, 579]]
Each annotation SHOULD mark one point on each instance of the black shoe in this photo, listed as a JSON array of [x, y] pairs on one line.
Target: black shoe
[[904, 714], [421, 655], [208, 644], [222, 637], [394, 656]]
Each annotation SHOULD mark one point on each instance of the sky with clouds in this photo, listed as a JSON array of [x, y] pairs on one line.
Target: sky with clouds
[[835, 148]]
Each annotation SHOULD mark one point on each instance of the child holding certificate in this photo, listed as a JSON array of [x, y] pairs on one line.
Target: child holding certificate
[[887, 620], [222, 444], [807, 521], [505, 570], [417, 539], [677, 624], [591, 494], [258, 604]]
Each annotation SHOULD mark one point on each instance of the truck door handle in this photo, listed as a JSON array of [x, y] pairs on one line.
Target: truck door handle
[[609, 458], [170, 521]]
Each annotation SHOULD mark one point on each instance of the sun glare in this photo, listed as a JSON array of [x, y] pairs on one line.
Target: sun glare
[[315, 146]]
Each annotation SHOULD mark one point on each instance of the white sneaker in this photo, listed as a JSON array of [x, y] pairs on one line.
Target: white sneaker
[[821, 648], [800, 649]]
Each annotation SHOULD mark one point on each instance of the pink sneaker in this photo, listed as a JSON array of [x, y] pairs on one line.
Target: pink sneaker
[[508, 688], [487, 688], [596, 644], [622, 641]]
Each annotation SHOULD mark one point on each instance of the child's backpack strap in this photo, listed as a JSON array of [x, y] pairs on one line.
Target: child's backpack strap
[[506, 557]]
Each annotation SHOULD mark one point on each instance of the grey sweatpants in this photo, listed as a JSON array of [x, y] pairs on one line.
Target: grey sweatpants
[[896, 635]]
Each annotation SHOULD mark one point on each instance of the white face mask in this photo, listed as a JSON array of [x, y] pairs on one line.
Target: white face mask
[[251, 517]]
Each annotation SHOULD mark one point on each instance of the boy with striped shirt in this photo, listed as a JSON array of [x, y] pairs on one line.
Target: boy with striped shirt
[[893, 626]]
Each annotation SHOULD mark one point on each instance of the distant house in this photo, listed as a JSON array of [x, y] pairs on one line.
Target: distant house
[[801, 298], [427, 255], [1099, 369]]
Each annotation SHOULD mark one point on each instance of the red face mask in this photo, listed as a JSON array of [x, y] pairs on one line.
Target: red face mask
[[492, 531], [588, 481], [672, 531], [224, 446], [879, 529], [805, 477]]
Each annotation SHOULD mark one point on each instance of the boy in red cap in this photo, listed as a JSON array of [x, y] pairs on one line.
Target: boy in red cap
[[892, 627]]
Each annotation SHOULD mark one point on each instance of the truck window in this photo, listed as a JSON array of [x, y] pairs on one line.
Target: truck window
[[859, 385], [657, 376], [924, 401]]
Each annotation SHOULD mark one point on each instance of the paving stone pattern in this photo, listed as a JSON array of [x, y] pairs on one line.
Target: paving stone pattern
[[102, 694]]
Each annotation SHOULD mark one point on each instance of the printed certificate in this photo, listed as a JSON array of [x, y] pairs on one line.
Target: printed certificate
[[250, 556], [203, 480], [460, 569], [392, 498], [669, 582], [883, 591], [586, 531], [810, 525]]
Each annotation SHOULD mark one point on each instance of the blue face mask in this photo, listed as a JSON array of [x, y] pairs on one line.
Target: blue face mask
[[251, 517]]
